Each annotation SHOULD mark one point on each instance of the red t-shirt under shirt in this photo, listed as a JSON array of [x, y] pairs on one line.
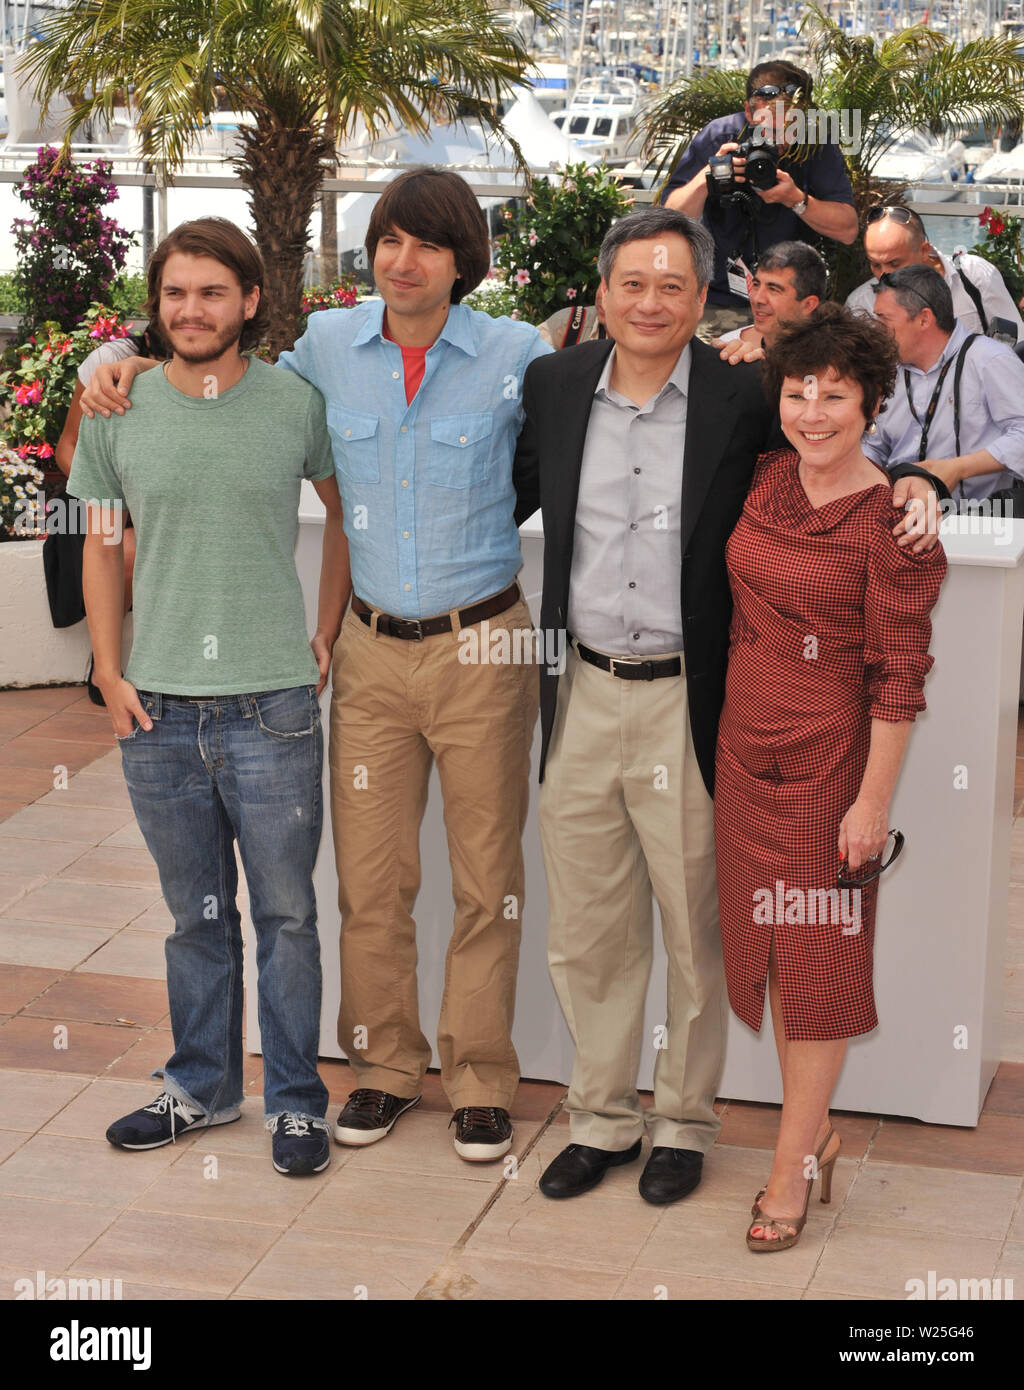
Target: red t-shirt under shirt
[[413, 364]]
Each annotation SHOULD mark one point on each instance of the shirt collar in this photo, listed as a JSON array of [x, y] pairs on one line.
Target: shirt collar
[[457, 329], [679, 378]]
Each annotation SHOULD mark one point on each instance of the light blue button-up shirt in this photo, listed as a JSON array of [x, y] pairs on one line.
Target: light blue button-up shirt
[[991, 414], [427, 487]]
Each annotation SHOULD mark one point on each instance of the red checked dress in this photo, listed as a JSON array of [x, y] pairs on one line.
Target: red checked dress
[[830, 629]]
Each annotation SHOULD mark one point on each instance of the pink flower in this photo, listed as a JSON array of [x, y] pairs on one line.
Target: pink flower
[[570, 293], [45, 451], [533, 238], [107, 328], [522, 277], [29, 395], [569, 186]]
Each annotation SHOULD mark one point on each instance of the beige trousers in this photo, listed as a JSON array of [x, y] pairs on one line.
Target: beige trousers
[[623, 809], [396, 707]]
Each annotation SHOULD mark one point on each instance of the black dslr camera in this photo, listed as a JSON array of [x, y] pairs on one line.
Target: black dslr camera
[[762, 170]]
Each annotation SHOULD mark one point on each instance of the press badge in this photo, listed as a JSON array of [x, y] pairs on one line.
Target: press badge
[[738, 277]]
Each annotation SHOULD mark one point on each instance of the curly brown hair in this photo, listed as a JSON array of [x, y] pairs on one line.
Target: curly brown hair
[[858, 347]]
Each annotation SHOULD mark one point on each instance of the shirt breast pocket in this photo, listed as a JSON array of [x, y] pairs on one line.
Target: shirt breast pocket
[[355, 437], [460, 446]]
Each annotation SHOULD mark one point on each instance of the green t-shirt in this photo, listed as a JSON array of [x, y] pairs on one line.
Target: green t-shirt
[[213, 489]]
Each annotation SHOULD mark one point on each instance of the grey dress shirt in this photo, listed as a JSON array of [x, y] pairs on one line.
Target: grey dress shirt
[[624, 594]]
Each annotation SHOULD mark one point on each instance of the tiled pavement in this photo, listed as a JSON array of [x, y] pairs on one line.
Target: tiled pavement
[[81, 932]]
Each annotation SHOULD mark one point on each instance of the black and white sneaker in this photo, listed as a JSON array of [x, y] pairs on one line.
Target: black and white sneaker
[[482, 1132], [156, 1124], [369, 1115], [300, 1145]]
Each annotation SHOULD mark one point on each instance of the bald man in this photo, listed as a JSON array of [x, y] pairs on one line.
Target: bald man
[[895, 236]]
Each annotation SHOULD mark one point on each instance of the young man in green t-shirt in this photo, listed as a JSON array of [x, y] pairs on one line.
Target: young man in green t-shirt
[[217, 714]]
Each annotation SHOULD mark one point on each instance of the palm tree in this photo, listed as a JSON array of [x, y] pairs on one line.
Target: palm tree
[[910, 79], [303, 68]]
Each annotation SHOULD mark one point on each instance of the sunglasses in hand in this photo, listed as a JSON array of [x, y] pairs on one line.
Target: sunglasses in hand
[[858, 878]]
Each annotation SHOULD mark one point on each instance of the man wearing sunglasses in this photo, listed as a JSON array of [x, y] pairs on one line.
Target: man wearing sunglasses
[[812, 192], [958, 407], [895, 237]]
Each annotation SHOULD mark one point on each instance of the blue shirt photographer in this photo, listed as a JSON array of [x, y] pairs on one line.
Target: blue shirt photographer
[[822, 174]]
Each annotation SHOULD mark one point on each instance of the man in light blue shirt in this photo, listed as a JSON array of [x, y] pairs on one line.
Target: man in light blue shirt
[[958, 407], [423, 405], [427, 485]]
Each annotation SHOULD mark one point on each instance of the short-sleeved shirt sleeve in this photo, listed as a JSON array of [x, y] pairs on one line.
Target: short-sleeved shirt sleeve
[[116, 350], [900, 594], [319, 456], [94, 475]]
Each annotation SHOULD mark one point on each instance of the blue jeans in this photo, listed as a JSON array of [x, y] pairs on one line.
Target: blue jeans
[[245, 767]]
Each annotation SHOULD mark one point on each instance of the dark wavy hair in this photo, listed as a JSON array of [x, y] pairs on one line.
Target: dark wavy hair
[[436, 205], [226, 243], [857, 346]]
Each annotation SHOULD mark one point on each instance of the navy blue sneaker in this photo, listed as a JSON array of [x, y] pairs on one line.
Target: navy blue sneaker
[[300, 1145], [156, 1124]]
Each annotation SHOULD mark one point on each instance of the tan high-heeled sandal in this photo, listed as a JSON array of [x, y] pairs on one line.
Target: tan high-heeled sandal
[[755, 1209], [784, 1240]]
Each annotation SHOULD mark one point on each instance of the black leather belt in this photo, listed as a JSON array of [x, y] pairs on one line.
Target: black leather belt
[[631, 670], [415, 629]]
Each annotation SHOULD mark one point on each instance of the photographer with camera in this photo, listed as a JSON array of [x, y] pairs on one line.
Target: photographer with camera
[[755, 179]]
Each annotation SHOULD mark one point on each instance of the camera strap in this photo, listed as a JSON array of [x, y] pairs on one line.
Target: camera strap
[[926, 423], [973, 292]]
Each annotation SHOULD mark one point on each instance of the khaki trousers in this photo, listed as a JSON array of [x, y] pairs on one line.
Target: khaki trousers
[[397, 705], [623, 809]]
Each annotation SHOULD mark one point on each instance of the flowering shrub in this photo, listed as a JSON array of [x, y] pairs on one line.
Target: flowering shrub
[[1002, 246], [494, 297], [549, 255], [21, 483], [38, 390], [70, 253], [340, 294]]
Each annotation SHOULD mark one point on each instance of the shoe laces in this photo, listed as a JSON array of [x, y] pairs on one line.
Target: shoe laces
[[477, 1117], [165, 1104], [373, 1102], [291, 1123]]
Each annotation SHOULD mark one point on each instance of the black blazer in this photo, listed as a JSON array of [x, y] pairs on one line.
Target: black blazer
[[728, 424]]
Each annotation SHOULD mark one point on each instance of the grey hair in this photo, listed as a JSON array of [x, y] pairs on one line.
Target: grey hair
[[914, 285], [654, 222]]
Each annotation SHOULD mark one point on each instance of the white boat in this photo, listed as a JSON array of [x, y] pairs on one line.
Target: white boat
[[920, 157], [602, 118], [1001, 177]]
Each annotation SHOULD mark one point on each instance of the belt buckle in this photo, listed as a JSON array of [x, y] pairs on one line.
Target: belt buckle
[[416, 623], [646, 666], [634, 665]]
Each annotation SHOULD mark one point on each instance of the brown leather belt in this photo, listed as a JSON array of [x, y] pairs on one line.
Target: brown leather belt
[[631, 670], [415, 629]]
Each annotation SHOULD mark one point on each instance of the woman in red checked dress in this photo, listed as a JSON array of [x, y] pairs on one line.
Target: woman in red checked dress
[[828, 657]]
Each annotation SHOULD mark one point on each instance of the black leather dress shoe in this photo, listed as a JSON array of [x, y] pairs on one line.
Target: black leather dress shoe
[[670, 1174], [579, 1168]]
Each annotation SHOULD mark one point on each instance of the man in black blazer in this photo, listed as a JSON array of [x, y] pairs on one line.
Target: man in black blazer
[[635, 529]]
